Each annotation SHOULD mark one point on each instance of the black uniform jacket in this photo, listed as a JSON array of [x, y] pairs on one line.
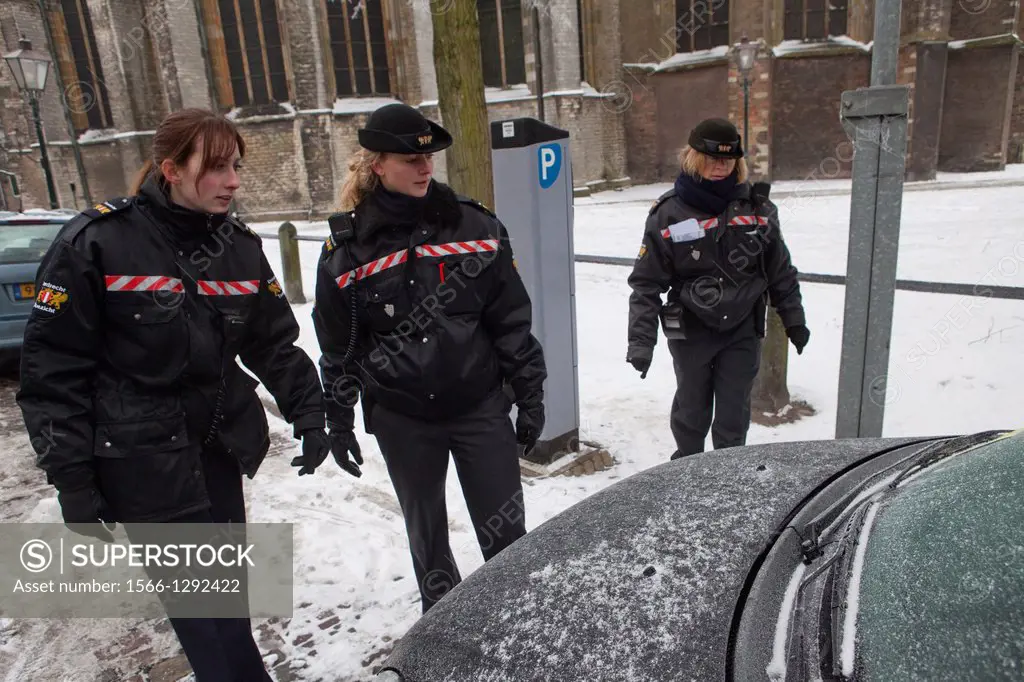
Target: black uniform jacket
[[435, 311], [720, 268], [142, 308]]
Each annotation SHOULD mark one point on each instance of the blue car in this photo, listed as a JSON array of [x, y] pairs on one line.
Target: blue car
[[24, 239]]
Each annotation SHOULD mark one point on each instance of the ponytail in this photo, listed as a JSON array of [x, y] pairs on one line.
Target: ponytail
[[141, 175], [360, 180]]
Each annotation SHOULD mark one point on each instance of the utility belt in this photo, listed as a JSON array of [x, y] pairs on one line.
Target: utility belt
[[679, 323]]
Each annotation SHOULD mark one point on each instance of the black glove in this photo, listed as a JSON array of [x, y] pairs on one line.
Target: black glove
[[343, 444], [84, 510], [799, 335], [641, 361], [529, 424], [314, 451]]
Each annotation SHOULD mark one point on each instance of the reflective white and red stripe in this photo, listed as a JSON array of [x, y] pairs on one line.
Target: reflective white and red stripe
[[373, 267], [423, 251], [456, 248], [749, 220], [143, 283], [233, 288]]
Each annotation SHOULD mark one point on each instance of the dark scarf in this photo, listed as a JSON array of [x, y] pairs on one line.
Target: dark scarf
[[383, 208], [185, 226], [708, 196], [402, 208]]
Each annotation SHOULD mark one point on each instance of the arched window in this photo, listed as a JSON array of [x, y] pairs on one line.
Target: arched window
[[246, 53], [85, 91], [701, 24], [501, 42], [358, 47]]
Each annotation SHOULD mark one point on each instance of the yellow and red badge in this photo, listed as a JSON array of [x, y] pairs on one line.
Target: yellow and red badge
[[50, 298]]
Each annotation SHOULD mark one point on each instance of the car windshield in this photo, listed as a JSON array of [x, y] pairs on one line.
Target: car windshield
[[26, 242], [942, 583]]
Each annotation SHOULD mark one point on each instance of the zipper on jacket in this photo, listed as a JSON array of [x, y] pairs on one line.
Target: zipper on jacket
[[440, 268]]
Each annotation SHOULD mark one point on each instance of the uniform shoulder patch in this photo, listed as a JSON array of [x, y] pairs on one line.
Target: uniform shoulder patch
[[476, 204], [94, 213], [243, 228], [52, 298], [661, 200]]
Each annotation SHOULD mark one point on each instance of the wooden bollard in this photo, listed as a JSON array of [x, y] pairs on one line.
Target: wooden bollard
[[290, 262]]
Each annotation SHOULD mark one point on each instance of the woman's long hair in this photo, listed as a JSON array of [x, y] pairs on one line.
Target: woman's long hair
[[695, 164], [176, 139], [360, 180]]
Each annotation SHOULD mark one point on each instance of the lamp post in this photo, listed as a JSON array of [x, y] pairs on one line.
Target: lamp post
[[746, 52], [30, 69]]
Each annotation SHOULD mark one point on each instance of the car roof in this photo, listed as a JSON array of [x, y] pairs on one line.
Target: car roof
[[37, 216]]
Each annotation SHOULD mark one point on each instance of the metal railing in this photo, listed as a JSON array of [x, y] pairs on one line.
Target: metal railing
[[292, 269]]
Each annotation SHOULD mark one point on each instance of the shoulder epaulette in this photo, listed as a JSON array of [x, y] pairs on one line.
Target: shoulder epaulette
[[243, 228], [94, 213], [661, 200], [475, 204]]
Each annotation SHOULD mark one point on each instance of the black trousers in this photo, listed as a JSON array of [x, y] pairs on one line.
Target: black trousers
[[220, 649], [483, 445], [714, 375]]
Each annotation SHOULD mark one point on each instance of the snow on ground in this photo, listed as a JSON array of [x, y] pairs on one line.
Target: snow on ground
[[954, 368]]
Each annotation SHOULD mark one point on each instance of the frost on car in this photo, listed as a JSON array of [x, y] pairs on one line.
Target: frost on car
[[642, 581]]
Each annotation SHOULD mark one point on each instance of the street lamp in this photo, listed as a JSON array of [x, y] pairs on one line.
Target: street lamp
[[30, 70], [745, 54]]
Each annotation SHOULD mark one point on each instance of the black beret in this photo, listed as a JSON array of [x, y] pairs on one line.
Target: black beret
[[401, 129], [717, 137]]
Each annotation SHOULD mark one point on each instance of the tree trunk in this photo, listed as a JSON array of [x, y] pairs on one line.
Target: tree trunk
[[460, 88], [770, 393]]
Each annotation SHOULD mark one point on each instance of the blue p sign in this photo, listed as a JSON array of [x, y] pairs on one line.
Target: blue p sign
[[549, 158]]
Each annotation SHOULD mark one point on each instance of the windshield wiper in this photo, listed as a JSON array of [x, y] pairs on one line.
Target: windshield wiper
[[943, 449]]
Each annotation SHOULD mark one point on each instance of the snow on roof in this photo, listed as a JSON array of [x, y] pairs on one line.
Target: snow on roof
[[961, 44], [787, 47], [360, 105]]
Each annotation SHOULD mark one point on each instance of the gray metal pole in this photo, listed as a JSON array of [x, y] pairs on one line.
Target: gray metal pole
[[538, 61], [44, 158], [876, 119]]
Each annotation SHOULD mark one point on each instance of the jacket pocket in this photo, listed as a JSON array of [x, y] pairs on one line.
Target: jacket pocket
[[146, 469], [385, 301], [146, 338], [467, 283]]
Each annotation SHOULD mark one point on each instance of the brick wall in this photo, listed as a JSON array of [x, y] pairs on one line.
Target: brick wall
[[926, 109], [274, 176], [684, 99], [981, 18], [975, 119], [641, 126], [315, 132], [1015, 152], [605, 62], [140, 31], [307, 59], [808, 139], [158, 23], [928, 19], [746, 16], [183, 29], [760, 103], [647, 31]]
